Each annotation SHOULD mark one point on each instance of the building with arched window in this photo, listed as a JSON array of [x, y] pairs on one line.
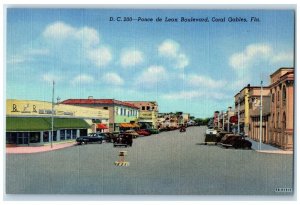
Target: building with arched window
[[282, 108]]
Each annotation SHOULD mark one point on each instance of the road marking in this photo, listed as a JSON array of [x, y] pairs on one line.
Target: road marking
[[118, 163]]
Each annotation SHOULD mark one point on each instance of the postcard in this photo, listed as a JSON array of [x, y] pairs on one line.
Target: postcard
[[137, 101]]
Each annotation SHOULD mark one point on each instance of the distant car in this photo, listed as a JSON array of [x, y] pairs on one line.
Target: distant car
[[211, 136], [123, 139], [153, 131], [143, 132], [91, 138], [133, 133]]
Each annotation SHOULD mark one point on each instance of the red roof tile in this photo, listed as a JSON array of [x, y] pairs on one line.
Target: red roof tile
[[98, 101]]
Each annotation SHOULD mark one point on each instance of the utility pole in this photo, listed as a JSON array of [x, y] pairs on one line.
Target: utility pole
[[239, 114], [228, 121], [52, 115], [260, 109], [223, 120]]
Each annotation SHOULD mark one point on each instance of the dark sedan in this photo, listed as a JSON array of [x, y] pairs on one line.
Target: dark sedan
[[235, 141], [91, 138]]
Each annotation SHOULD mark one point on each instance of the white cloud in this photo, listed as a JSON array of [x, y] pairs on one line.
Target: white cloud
[[85, 37], [49, 77], [82, 79], [131, 58], [204, 81], [171, 50], [100, 56], [152, 75], [16, 59], [283, 57], [183, 95], [112, 79], [188, 95], [59, 30], [252, 52]]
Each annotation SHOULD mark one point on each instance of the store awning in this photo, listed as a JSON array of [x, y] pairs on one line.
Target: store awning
[[129, 125], [43, 123], [101, 126]]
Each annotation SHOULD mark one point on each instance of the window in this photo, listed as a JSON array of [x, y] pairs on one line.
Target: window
[[143, 107], [121, 112], [284, 95], [54, 137], [46, 136], [105, 108], [34, 137], [273, 96], [124, 112], [62, 135], [68, 134], [284, 121], [278, 95], [148, 107], [74, 134], [277, 120]]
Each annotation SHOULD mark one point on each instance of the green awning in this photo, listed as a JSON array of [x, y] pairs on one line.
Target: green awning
[[43, 123]]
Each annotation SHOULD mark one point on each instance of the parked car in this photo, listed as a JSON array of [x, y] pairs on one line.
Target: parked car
[[110, 137], [235, 141], [153, 131], [133, 133], [91, 138], [211, 136], [123, 139], [143, 132]]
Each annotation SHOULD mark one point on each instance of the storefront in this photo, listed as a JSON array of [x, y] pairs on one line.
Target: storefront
[[29, 123], [127, 126]]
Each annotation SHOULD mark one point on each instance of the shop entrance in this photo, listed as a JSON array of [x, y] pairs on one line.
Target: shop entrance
[[22, 138]]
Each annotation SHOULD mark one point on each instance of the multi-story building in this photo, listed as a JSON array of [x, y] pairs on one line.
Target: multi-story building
[[282, 108], [254, 111], [122, 115], [242, 108], [148, 113], [29, 122]]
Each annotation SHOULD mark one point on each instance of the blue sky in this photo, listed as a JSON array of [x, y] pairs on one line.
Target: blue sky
[[191, 67]]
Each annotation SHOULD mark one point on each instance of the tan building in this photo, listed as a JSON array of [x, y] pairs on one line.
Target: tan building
[[254, 111], [148, 113], [29, 122], [122, 115], [282, 108], [242, 106]]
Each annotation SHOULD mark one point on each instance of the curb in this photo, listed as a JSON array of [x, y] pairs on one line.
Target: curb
[[275, 152]]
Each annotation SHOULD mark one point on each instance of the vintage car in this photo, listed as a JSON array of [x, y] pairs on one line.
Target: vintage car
[[211, 136], [143, 132], [91, 138], [133, 133], [110, 137], [236, 141], [123, 139], [153, 131]]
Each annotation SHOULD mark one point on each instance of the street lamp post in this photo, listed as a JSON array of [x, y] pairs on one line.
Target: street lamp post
[[239, 114], [223, 120], [52, 115], [260, 115]]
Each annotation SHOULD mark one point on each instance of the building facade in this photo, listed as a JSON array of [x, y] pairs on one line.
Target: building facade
[[282, 108], [254, 111], [148, 113], [122, 115], [242, 109], [29, 122]]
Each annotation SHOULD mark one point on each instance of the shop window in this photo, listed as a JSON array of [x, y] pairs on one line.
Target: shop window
[[46, 136], [74, 134], [83, 132], [11, 138], [54, 137], [34, 137], [68, 134], [62, 134]]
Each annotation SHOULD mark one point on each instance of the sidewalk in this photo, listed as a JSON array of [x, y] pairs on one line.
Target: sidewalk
[[266, 148], [45, 148]]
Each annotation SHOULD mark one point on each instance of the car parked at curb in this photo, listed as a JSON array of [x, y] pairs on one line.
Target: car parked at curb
[[236, 141], [91, 138]]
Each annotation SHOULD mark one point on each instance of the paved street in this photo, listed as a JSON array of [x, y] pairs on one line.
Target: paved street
[[168, 163]]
